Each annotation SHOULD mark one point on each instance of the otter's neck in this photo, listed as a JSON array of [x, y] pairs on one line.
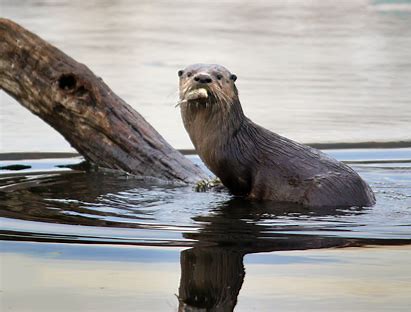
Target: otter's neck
[[211, 127]]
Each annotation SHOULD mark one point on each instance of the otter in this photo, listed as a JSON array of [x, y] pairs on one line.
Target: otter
[[252, 161]]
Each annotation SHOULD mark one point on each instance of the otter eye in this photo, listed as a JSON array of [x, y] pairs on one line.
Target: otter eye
[[233, 77], [219, 76], [189, 74], [180, 73]]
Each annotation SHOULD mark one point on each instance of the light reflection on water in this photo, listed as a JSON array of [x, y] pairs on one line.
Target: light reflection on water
[[65, 277], [314, 71]]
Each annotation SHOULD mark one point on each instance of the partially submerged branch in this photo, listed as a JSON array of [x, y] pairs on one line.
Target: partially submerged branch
[[79, 105]]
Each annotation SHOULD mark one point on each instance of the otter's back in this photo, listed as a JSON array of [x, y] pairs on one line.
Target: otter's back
[[299, 171]]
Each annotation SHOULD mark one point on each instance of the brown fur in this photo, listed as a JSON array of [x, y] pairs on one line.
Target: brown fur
[[252, 161]]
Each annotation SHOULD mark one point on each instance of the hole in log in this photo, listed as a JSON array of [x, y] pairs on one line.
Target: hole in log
[[81, 91], [67, 82]]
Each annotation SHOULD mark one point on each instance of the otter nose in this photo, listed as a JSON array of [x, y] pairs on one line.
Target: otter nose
[[202, 78]]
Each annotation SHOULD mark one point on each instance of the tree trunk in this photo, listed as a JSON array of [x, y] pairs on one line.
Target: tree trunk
[[79, 105]]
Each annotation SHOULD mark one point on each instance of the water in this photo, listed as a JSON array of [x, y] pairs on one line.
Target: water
[[313, 71], [40, 204], [99, 241], [67, 277]]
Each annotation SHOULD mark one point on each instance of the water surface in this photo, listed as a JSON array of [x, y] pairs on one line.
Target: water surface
[[66, 277], [123, 209], [317, 71], [96, 241]]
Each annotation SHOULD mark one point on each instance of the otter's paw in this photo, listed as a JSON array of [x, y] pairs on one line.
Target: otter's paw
[[207, 185]]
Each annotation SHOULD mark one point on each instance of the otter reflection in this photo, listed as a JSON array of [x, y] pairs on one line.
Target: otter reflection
[[211, 278], [212, 272]]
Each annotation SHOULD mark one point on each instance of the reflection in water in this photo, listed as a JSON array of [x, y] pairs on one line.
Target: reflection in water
[[49, 277], [92, 199], [212, 276], [110, 206], [102, 208]]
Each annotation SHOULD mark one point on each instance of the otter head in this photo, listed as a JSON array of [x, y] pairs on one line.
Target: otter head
[[207, 85], [209, 103]]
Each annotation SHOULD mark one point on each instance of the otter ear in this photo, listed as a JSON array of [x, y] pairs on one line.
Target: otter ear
[[180, 73], [233, 77]]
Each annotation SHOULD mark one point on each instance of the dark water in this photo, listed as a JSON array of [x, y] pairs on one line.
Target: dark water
[[138, 244], [316, 71], [123, 209]]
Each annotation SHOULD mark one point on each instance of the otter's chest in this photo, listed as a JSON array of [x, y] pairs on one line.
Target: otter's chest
[[235, 175]]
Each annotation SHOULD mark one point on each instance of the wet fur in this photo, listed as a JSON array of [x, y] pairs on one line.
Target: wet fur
[[255, 162]]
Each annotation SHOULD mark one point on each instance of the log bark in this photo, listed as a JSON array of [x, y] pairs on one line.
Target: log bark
[[79, 105]]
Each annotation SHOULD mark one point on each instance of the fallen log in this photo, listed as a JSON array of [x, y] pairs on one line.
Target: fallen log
[[79, 105]]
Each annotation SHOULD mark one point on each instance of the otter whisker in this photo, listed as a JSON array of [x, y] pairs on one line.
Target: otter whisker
[[181, 102]]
